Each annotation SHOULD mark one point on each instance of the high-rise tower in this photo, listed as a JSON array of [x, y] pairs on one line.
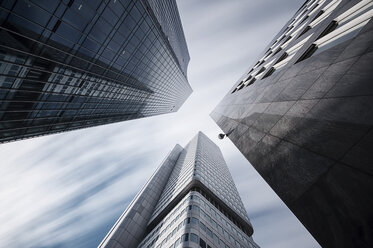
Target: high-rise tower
[[72, 64], [190, 201], [303, 116]]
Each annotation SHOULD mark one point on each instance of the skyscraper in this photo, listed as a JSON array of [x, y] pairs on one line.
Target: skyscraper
[[190, 201], [72, 64], [303, 116]]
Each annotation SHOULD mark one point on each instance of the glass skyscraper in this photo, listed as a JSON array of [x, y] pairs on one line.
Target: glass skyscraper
[[302, 114], [72, 64], [190, 201]]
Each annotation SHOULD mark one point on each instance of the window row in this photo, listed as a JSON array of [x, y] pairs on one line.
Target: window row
[[344, 27], [215, 216]]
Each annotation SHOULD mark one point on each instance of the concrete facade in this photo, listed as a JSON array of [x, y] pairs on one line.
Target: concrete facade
[[191, 201], [305, 121]]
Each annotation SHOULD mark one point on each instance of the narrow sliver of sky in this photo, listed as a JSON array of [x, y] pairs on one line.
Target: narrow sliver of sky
[[68, 189]]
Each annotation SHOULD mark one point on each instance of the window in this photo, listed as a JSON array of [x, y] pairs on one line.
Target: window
[[177, 242], [240, 86], [305, 18], [261, 62], [237, 244], [214, 224], [251, 82], [209, 232], [187, 221], [331, 27], [194, 221], [179, 226], [194, 238], [202, 226], [328, 39], [318, 15], [222, 244], [354, 12], [202, 243], [277, 51], [337, 41], [282, 57], [308, 53], [324, 13], [185, 237], [231, 238], [261, 70], [216, 238], [304, 31], [269, 72]]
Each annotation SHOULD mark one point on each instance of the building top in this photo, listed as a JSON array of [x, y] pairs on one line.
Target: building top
[[201, 162]]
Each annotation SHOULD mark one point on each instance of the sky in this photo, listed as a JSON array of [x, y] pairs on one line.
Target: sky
[[68, 189]]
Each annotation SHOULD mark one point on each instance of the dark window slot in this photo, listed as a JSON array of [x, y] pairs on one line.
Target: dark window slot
[[283, 56], [277, 51], [308, 53], [269, 73], [330, 28], [318, 15], [251, 82], [304, 31], [305, 18]]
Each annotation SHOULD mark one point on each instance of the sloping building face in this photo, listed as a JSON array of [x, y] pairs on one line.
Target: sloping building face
[[303, 114], [198, 206], [66, 65]]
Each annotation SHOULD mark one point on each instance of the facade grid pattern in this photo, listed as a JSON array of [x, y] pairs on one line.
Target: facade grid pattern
[[189, 211], [72, 64]]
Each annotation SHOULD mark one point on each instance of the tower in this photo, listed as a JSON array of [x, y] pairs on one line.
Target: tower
[[67, 65], [303, 116], [190, 201]]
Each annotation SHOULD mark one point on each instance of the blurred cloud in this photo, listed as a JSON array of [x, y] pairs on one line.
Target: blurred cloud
[[67, 190]]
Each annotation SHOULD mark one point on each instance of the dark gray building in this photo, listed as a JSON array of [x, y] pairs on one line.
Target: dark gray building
[[303, 116], [72, 64], [190, 201]]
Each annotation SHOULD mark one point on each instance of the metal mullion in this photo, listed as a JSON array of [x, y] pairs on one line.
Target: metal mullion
[[55, 93], [68, 122], [66, 65]]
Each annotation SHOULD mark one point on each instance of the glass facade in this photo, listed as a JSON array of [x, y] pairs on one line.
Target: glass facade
[[202, 161], [190, 201], [202, 221], [66, 65], [213, 210]]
